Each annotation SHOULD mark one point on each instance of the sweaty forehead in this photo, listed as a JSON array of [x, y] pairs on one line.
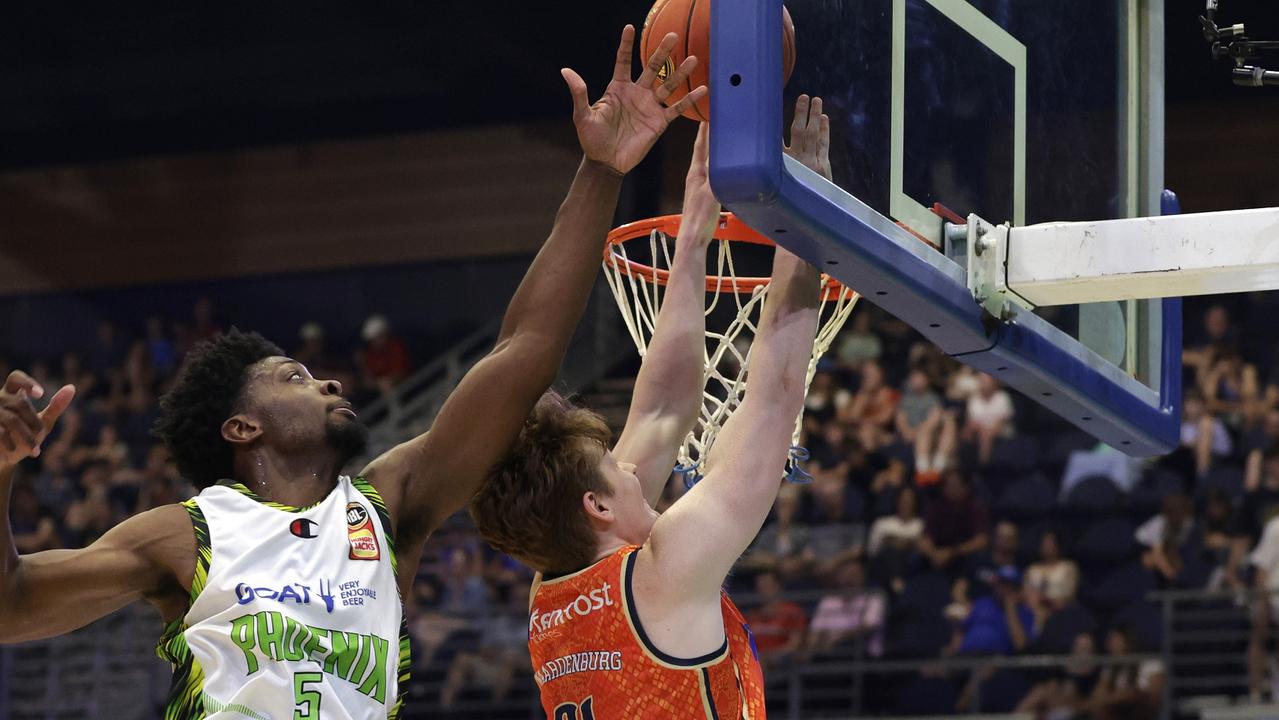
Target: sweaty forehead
[[266, 366]]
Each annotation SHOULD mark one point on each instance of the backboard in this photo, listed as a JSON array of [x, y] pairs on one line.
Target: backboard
[[1025, 112]]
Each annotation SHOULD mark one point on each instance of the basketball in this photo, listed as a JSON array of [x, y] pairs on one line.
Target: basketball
[[691, 20]]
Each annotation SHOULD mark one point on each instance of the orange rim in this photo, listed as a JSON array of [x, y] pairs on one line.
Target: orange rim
[[729, 228]]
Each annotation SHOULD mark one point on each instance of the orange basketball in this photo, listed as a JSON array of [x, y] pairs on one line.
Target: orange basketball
[[691, 20]]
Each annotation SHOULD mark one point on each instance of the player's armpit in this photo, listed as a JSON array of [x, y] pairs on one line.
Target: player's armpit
[[149, 556]]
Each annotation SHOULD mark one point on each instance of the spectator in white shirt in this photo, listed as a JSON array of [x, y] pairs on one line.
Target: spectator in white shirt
[[990, 416], [1264, 560], [894, 540]]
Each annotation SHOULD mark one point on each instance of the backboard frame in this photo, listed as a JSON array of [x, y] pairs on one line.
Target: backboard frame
[[870, 253]]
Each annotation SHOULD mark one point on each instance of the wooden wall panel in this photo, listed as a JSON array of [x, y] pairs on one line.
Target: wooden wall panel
[[456, 194]]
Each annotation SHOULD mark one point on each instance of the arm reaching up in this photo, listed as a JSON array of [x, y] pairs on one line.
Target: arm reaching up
[[668, 390], [53, 592], [693, 545], [427, 479]]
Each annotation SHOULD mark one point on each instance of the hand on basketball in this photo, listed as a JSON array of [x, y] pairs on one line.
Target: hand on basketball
[[621, 127], [701, 209], [22, 429], [810, 136]]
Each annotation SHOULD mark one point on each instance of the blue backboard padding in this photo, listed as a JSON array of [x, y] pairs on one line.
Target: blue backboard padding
[[868, 252]]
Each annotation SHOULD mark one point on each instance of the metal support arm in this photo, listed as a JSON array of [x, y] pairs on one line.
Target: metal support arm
[[1138, 258]]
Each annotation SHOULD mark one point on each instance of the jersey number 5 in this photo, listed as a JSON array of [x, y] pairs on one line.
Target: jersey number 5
[[306, 702], [575, 711]]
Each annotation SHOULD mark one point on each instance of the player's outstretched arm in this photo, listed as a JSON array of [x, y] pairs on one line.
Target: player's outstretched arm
[[426, 480], [668, 389], [695, 543], [53, 592]]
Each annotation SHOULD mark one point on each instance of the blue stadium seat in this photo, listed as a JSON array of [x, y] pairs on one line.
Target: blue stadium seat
[[1015, 455], [1028, 539], [1106, 543], [927, 696], [924, 594], [1061, 628], [1001, 692], [1119, 587], [1146, 620], [1148, 496], [1228, 478], [1027, 500], [1092, 496], [920, 636], [1057, 450]]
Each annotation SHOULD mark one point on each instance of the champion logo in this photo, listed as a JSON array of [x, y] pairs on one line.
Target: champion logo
[[303, 528]]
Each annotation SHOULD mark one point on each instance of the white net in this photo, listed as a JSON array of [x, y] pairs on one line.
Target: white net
[[639, 297]]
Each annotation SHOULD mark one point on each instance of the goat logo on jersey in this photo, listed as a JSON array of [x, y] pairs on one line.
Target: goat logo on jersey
[[359, 531]]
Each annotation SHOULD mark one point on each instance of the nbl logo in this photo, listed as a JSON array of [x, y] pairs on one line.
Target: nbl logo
[[355, 515]]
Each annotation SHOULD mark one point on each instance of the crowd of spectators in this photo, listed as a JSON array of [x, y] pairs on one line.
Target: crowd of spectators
[[102, 464], [946, 516]]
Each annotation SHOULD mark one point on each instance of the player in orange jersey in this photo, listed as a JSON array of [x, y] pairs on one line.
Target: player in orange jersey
[[628, 619]]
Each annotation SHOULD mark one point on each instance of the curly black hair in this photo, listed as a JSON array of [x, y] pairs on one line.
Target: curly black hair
[[206, 393]]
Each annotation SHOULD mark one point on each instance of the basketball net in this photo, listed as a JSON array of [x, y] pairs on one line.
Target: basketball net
[[639, 290]]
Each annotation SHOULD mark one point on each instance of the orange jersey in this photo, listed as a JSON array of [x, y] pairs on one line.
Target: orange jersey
[[593, 661]]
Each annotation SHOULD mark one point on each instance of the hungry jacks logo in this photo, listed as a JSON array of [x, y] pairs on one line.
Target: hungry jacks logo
[[359, 531]]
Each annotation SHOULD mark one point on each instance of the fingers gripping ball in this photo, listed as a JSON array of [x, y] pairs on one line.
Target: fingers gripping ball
[[691, 20]]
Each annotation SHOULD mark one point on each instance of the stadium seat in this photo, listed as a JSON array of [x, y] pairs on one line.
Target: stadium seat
[[1061, 628], [1147, 497], [927, 696], [1146, 620], [1027, 500], [1227, 478], [1001, 692], [920, 636], [1106, 543], [1057, 450], [1118, 587], [1093, 496], [1015, 455], [924, 594]]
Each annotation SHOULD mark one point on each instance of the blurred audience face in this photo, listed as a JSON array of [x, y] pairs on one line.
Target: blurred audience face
[[1192, 409], [1178, 509], [851, 576], [917, 382], [907, 503], [986, 385], [1216, 323], [1005, 538], [1049, 549], [768, 586], [1270, 470], [1007, 590], [955, 488], [872, 376], [1118, 642], [1217, 510], [1083, 646]]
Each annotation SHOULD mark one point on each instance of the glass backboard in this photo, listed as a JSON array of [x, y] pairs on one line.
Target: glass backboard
[[1020, 112]]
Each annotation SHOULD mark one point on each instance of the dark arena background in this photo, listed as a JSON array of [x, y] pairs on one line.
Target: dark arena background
[[366, 184]]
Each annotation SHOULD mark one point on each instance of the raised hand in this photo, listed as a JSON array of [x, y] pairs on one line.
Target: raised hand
[[22, 429], [810, 136], [701, 209], [621, 127]]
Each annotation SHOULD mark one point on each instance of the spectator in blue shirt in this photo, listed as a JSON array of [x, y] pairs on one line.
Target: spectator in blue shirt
[[998, 624]]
